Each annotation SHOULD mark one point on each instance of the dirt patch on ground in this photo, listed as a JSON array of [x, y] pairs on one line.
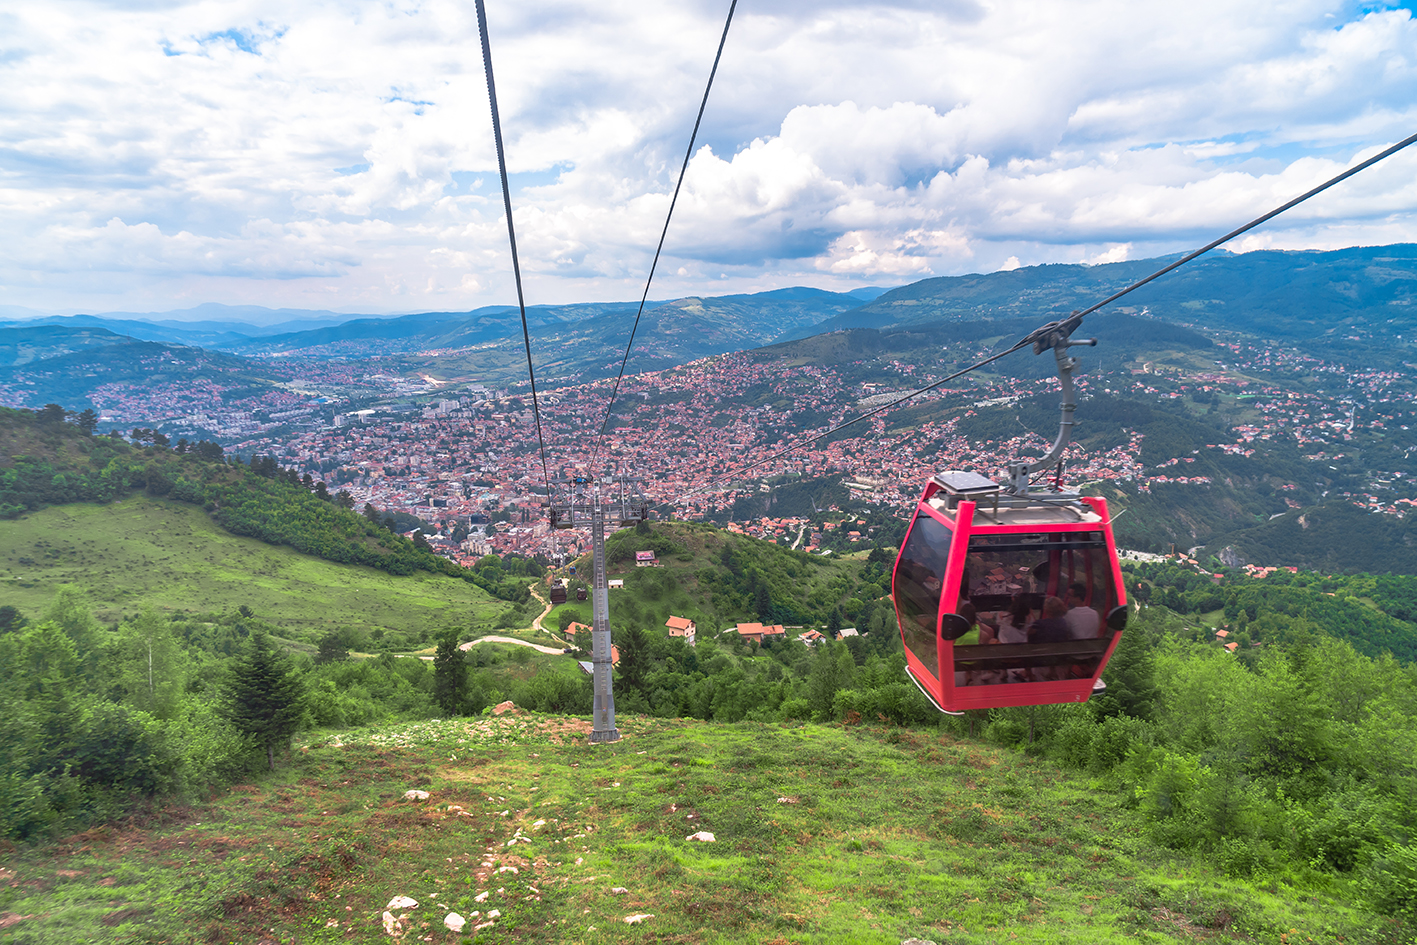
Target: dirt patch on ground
[[123, 915], [561, 730]]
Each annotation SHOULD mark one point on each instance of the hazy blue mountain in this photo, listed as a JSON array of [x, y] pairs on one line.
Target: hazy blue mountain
[[868, 293], [232, 317], [683, 328], [19, 313]]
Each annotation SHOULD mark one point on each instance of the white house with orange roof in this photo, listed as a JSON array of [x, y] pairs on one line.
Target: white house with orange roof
[[682, 627]]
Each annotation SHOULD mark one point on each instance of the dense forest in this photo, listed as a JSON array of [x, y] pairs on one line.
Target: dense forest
[[57, 459]]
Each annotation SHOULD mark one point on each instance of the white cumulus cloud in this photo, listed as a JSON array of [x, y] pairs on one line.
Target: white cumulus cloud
[[338, 153]]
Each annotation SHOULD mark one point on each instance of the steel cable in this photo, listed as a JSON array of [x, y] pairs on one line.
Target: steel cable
[[512, 236], [610, 407]]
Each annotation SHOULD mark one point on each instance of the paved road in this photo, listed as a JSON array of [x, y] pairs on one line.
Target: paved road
[[535, 646]]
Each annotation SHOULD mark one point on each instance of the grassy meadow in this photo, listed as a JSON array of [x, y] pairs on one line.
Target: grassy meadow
[[142, 552], [822, 834]]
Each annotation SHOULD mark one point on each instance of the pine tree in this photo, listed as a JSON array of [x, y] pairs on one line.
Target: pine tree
[[634, 658], [449, 674], [1130, 678], [266, 696]]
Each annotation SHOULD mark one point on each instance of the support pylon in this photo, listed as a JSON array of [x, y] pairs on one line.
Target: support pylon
[[583, 511]]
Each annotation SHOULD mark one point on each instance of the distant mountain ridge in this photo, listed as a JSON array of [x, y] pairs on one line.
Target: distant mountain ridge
[[1347, 302], [257, 331]]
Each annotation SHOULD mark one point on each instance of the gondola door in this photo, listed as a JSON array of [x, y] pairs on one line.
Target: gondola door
[[925, 585]]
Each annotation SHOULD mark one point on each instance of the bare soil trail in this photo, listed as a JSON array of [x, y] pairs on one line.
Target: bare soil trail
[[535, 646], [536, 624]]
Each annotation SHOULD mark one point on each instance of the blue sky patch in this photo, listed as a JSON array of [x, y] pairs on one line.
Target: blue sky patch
[[463, 181]]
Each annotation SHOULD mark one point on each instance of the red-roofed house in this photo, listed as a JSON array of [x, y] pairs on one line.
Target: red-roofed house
[[645, 559], [682, 627], [759, 632]]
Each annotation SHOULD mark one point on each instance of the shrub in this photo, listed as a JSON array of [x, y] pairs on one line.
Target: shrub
[[796, 710], [1115, 738], [1390, 882], [1244, 857], [550, 691]]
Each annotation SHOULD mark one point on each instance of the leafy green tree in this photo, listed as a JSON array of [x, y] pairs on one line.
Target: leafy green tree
[[334, 646], [86, 420], [449, 674], [265, 695], [823, 683], [68, 613], [151, 666]]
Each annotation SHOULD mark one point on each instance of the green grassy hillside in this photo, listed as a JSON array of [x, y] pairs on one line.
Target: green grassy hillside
[[718, 578], [822, 834], [46, 461], [143, 552]]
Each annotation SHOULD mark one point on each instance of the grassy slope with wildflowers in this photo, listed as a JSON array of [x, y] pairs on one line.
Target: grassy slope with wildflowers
[[823, 834]]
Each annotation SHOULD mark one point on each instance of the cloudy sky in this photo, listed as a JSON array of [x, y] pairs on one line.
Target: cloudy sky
[[158, 154]]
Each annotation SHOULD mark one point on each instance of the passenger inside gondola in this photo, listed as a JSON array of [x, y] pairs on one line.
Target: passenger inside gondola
[[1086, 623], [1013, 623]]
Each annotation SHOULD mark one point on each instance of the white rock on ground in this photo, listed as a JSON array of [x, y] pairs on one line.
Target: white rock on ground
[[703, 836], [454, 922], [636, 919], [402, 902], [415, 795]]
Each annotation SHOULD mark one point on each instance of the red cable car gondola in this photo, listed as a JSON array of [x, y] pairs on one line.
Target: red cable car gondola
[[978, 550]]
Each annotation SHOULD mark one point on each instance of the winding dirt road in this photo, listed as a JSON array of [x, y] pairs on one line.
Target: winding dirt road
[[535, 625], [535, 646]]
